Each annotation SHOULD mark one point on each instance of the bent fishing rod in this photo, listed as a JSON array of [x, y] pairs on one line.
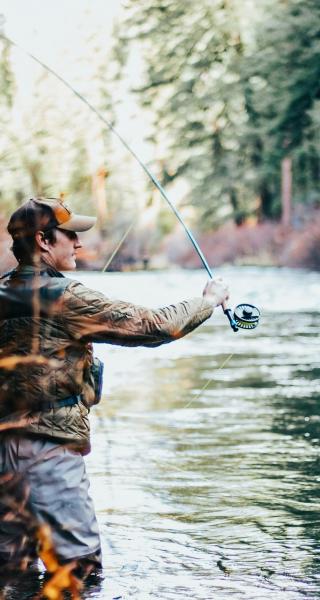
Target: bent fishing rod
[[244, 316]]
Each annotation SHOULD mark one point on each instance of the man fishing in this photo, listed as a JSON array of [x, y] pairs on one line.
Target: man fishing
[[49, 380]]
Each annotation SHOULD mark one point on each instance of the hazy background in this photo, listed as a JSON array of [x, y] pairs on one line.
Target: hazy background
[[221, 100]]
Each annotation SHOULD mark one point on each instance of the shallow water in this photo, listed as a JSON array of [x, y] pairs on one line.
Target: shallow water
[[205, 461]]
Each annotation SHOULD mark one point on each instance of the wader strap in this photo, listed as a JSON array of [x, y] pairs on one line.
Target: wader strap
[[70, 401]]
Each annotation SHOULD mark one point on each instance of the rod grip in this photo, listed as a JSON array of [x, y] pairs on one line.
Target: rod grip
[[233, 324]]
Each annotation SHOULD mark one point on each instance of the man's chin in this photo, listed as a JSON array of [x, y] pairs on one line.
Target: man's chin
[[69, 266]]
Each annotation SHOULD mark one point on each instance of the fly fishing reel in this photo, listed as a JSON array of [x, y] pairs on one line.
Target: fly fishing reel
[[245, 316]]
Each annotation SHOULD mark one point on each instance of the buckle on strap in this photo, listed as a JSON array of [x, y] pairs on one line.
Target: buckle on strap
[[70, 401]]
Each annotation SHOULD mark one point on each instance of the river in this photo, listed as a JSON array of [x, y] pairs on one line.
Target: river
[[205, 461], [212, 494]]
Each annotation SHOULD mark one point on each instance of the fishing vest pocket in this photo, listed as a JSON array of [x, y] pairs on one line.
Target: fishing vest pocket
[[92, 382], [97, 368]]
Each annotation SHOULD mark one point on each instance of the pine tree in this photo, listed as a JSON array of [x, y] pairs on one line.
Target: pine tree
[[231, 97]]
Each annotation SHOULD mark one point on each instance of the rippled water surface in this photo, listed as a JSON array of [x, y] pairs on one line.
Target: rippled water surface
[[212, 494], [205, 461]]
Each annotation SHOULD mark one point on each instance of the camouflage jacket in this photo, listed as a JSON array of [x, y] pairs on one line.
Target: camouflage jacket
[[47, 325]]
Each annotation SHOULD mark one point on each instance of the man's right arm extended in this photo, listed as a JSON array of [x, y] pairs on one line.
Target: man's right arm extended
[[90, 316]]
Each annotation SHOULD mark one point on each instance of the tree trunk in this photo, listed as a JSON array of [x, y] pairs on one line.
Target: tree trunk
[[238, 215], [99, 193], [266, 202], [286, 191]]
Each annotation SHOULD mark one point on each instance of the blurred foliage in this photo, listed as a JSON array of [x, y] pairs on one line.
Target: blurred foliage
[[52, 144], [166, 221], [6, 76], [227, 90], [234, 88]]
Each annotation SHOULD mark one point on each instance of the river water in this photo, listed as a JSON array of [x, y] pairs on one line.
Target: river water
[[212, 494], [205, 461]]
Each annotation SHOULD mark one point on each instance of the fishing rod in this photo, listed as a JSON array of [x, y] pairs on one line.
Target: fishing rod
[[245, 316]]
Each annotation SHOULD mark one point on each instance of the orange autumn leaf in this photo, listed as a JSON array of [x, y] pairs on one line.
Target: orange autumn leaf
[[62, 577], [46, 552], [21, 422], [62, 580], [11, 362]]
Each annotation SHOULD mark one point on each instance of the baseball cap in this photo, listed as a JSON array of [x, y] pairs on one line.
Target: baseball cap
[[43, 214]]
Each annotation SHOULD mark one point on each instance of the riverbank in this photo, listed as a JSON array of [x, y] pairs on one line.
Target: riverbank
[[260, 244], [257, 244]]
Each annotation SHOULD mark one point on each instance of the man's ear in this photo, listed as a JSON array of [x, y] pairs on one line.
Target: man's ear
[[41, 241]]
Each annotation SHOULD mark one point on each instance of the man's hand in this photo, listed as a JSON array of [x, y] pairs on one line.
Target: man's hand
[[216, 292]]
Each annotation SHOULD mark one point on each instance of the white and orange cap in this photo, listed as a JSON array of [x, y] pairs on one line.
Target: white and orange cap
[[43, 214]]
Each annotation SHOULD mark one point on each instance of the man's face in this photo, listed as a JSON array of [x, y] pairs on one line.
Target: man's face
[[62, 254]]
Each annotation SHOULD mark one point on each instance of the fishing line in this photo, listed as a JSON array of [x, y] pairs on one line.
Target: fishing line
[[118, 246], [246, 317], [208, 382]]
